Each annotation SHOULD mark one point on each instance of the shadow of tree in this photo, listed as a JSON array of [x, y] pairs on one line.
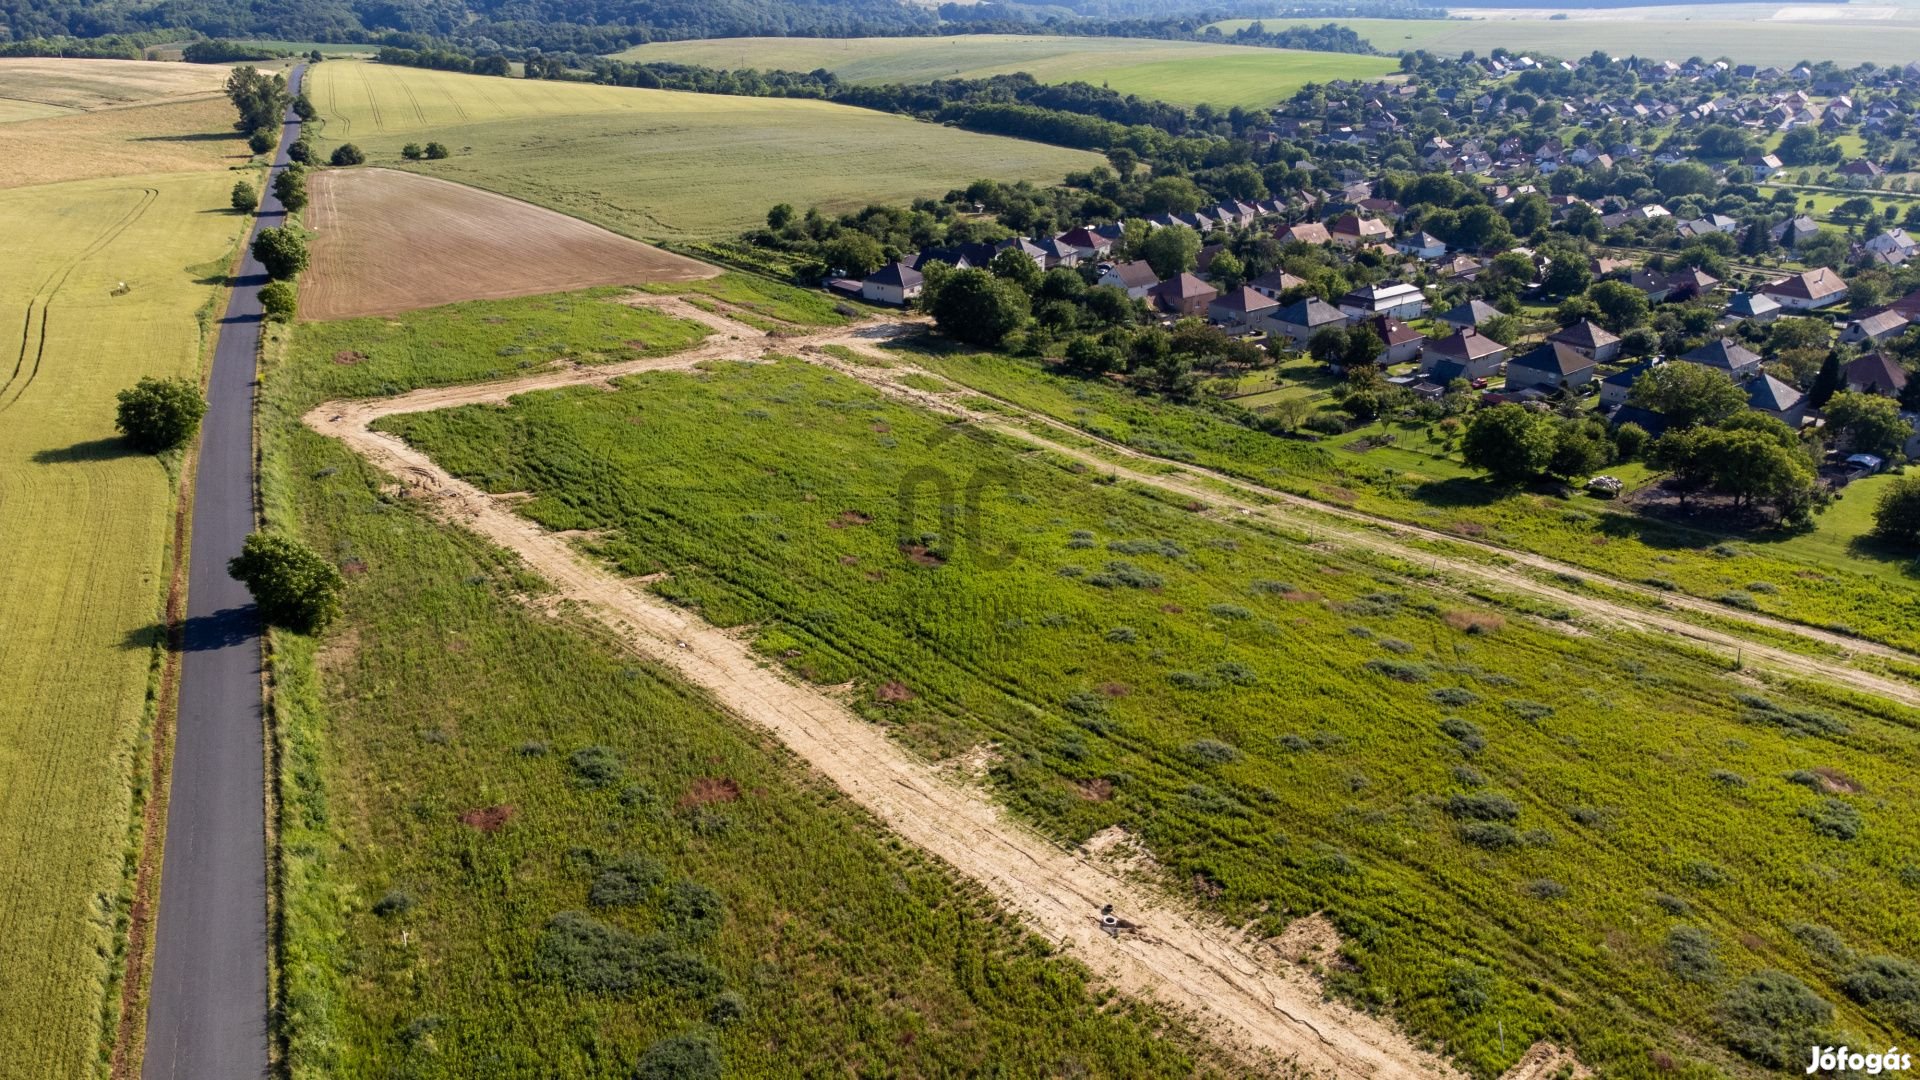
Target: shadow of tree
[[202, 633], [107, 449]]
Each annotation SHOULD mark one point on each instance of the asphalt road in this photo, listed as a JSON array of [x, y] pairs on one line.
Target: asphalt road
[[207, 1012]]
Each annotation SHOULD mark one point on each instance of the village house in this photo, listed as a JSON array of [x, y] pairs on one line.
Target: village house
[[1086, 243], [1423, 245], [1813, 289], [1789, 233], [1307, 232], [1874, 328], [1476, 354], [1238, 311], [1615, 387], [1183, 294], [1756, 307], [1134, 277], [1725, 355], [1395, 298], [1274, 282], [1876, 373], [1300, 320], [1402, 342], [895, 283], [1550, 367], [1353, 230], [1766, 394], [1589, 339], [1470, 313]]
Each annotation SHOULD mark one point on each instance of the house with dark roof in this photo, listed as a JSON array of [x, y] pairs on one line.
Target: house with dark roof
[[1087, 243], [1055, 253], [1403, 342], [1135, 277], [1183, 294], [1724, 355], [1651, 422], [1477, 354], [1789, 233], [1550, 367], [1816, 288], [1237, 311], [1274, 282], [1876, 373], [1471, 313], [895, 283], [1615, 387], [1300, 320], [1689, 282], [1589, 339], [1769, 395], [1753, 307]]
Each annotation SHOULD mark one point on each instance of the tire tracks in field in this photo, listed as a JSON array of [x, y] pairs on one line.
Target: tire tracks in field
[[1247, 997]]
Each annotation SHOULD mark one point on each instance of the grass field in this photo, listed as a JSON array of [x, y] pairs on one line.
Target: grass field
[[64, 85], [85, 528], [1712, 34], [1286, 728], [658, 165], [1182, 72], [421, 944], [185, 136]]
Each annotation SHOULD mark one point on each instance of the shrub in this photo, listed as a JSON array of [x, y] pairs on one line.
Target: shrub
[[1212, 752], [728, 1008], [412, 151], [1727, 778], [436, 151], [1121, 573], [1493, 835], [1771, 1017], [395, 902], [1469, 987], [1468, 775], [1465, 734], [279, 301], [595, 766], [1836, 818], [1671, 904], [1692, 955], [1529, 710], [1233, 612], [1483, 806], [694, 911], [1193, 680], [1123, 635], [1455, 696], [1701, 873], [687, 1056], [1888, 981], [584, 953], [1546, 889], [1401, 670], [291, 584], [1236, 673], [262, 140], [347, 154], [160, 414], [1822, 941], [625, 882]]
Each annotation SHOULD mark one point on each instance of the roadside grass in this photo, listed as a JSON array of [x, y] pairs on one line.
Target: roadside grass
[[1504, 818], [1806, 583], [480, 340], [654, 164], [1181, 72], [759, 301], [459, 771], [85, 523]]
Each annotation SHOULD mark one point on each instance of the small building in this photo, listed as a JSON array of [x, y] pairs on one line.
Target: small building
[[1769, 395], [1183, 294], [1086, 243], [1753, 307], [895, 283], [1403, 342], [1816, 288], [1471, 313], [1478, 355], [1355, 230], [1307, 232], [1395, 298], [1589, 339], [1876, 373], [1274, 282], [1725, 355], [1874, 328], [1239, 311], [1137, 278], [1791, 232], [1422, 245], [1300, 320], [1550, 367], [1615, 388]]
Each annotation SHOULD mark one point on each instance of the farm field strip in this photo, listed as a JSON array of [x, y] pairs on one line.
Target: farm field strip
[[657, 164], [86, 529], [65, 85], [1204, 970]]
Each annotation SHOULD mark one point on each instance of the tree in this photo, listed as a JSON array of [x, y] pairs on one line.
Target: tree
[[1827, 383], [1510, 441], [291, 584], [1867, 423], [1685, 178], [854, 252], [1012, 264], [1363, 347], [1227, 271], [413, 152], [1581, 447], [1171, 250], [975, 307], [1622, 306], [1328, 345], [160, 414], [1688, 394], [1896, 517], [303, 108], [435, 151], [245, 199], [1088, 355], [1826, 248], [1567, 275], [300, 151], [260, 99], [347, 154], [262, 140], [778, 218], [290, 187], [282, 251], [279, 300]]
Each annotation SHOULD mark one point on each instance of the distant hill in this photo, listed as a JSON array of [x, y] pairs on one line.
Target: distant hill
[[552, 25]]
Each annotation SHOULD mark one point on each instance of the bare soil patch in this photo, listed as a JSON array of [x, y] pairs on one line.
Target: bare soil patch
[[392, 241], [710, 789], [1309, 939], [488, 818]]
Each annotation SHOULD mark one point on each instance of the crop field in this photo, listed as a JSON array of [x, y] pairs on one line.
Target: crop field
[[659, 165], [86, 527], [138, 140], [512, 849], [1777, 42], [1182, 72], [1759, 572], [65, 85], [393, 241], [1485, 803]]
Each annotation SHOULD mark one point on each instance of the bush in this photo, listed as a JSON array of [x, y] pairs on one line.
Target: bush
[[1771, 1017], [584, 953], [1835, 818], [626, 882], [262, 141], [1493, 835], [1212, 752], [395, 902], [1896, 517], [436, 151], [412, 152], [1888, 981], [291, 584], [1455, 696], [1692, 955], [1483, 806], [687, 1056], [279, 301], [160, 414], [1400, 670], [245, 200], [595, 766], [347, 154], [1464, 733], [694, 911]]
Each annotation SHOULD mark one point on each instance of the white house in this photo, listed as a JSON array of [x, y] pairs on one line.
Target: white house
[[895, 283]]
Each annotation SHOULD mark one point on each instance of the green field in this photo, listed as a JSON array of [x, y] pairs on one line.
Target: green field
[[1183, 72], [418, 945], [659, 165], [1265, 715], [86, 527], [1676, 35]]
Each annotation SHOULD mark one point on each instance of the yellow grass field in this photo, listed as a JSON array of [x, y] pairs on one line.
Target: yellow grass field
[[85, 528], [184, 136], [655, 164], [85, 85]]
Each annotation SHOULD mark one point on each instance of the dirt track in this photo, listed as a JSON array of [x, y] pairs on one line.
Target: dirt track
[[393, 241], [1248, 997]]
